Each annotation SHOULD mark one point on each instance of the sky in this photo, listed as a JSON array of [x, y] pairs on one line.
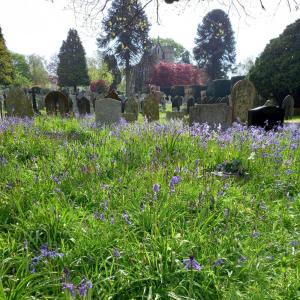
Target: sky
[[40, 26]]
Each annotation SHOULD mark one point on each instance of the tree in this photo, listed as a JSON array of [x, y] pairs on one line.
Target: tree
[[126, 30], [72, 67], [38, 73], [168, 74], [215, 44], [178, 48], [244, 67], [186, 57], [113, 68], [21, 76], [277, 70], [53, 64], [98, 69], [6, 67]]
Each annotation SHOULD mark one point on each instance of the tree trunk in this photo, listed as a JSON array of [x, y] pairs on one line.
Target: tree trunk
[[127, 78]]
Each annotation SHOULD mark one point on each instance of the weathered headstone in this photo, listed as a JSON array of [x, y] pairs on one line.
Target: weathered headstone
[[190, 103], [243, 97], [172, 115], [213, 114], [18, 104], [84, 106], [129, 117], [56, 102], [151, 108], [267, 116], [288, 106], [132, 107], [107, 111]]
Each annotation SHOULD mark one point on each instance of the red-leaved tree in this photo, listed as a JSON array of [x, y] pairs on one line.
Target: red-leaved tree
[[168, 74], [98, 86]]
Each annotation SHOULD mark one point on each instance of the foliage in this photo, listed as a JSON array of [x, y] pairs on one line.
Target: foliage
[[178, 48], [168, 74], [53, 64], [112, 65], [98, 70], [38, 74], [22, 75], [72, 68], [186, 57], [99, 86], [148, 211], [243, 68], [277, 70], [215, 44], [6, 67], [126, 30]]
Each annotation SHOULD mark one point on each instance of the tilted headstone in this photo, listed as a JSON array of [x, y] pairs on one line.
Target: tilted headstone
[[213, 114], [243, 97], [56, 102], [18, 103], [267, 116], [151, 108], [132, 107], [83, 105], [288, 106], [107, 111]]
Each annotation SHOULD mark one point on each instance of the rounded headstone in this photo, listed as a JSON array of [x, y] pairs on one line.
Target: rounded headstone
[[243, 97]]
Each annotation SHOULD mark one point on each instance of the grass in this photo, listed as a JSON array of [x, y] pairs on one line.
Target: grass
[[78, 201]]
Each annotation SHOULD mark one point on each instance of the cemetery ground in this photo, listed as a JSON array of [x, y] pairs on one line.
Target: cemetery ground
[[148, 211]]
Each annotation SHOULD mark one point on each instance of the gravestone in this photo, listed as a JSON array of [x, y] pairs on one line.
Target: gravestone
[[190, 103], [56, 102], [84, 106], [288, 106], [18, 104], [132, 107], [172, 115], [151, 108], [267, 116], [243, 97], [107, 111], [212, 114], [129, 117], [176, 103]]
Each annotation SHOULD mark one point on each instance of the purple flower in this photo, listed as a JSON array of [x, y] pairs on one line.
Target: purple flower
[[191, 264], [126, 218], [84, 286], [175, 180], [71, 288], [156, 188], [116, 253], [255, 234], [294, 243], [218, 262]]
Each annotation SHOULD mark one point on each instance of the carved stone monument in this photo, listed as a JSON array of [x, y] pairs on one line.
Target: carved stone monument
[[243, 98], [56, 102], [288, 106], [151, 108], [108, 111]]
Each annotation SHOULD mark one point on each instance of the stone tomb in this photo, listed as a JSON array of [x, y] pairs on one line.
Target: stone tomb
[[56, 102], [108, 111], [83, 105], [18, 104], [268, 117], [288, 106], [132, 107], [151, 108], [212, 114], [243, 98]]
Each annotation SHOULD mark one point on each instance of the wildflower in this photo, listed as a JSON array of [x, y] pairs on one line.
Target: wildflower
[[142, 206], [126, 218], [84, 286], [116, 253], [255, 234], [218, 262], [241, 260], [294, 243], [71, 288], [191, 264], [155, 188], [105, 205], [175, 180]]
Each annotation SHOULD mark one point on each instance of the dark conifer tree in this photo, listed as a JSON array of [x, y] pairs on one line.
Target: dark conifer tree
[[6, 67], [126, 30], [72, 66], [215, 44]]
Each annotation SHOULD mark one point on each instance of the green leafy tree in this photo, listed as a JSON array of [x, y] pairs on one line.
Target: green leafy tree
[[126, 30], [215, 44], [6, 67], [38, 73], [72, 67], [22, 76], [112, 65], [98, 70], [277, 70]]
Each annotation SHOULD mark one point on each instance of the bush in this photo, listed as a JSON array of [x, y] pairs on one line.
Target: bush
[[98, 86]]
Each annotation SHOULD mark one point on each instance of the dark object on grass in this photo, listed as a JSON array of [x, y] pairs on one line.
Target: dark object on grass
[[268, 117]]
